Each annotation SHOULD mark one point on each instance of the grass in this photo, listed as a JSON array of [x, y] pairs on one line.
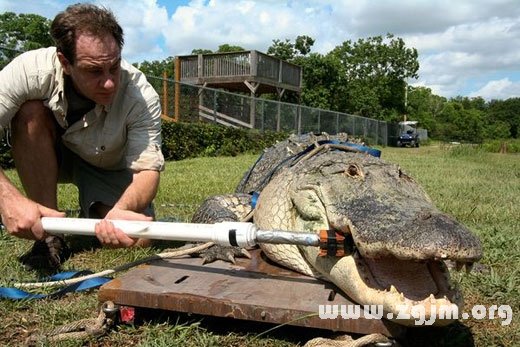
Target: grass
[[480, 189]]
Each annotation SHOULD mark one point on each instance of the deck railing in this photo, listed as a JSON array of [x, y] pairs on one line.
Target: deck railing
[[196, 68]]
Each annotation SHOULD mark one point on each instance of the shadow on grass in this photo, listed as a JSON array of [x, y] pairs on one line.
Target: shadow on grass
[[456, 334]]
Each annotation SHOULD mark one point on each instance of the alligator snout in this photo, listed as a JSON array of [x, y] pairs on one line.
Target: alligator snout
[[427, 234]]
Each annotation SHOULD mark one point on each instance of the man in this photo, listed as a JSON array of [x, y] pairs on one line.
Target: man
[[79, 113]]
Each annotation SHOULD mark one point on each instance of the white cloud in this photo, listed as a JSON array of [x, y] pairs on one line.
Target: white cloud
[[459, 42], [250, 24], [143, 22], [498, 89]]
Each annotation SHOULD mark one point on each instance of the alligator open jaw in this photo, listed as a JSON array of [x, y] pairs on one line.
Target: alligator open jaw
[[413, 290], [409, 292], [419, 291]]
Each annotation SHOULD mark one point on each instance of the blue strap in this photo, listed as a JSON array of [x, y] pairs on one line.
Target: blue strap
[[365, 149], [254, 199], [17, 294]]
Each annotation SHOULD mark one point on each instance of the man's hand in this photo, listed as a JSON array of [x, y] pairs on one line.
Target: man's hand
[[22, 218], [114, 237]]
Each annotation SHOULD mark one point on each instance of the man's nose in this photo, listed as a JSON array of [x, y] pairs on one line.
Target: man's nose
[[108, 82]]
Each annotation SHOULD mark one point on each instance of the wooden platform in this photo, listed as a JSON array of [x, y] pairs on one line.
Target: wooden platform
[[253, 290]]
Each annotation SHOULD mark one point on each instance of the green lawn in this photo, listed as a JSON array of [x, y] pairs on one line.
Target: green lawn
[[481, 190]]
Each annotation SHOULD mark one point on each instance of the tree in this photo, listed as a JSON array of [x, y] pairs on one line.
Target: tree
[[22, 32], [321, 85], [201, 51], [227, 48], [471, 103], [424, 107], [508, 112], [286, 50], [303, 44], [157, 68], [459, 122], [281, 49], [379, 66]]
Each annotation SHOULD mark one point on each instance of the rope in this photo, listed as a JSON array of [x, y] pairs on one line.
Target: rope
[[348, 341], [159, 256], [80, 329], [92, 327]]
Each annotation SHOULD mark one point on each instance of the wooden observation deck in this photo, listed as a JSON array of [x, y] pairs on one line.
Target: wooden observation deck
[[246, 71]]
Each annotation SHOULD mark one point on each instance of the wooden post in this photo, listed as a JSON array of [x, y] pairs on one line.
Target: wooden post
[[177, 95], [253, 63]]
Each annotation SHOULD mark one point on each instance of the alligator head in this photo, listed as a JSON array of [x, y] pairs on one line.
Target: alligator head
[[400, 238]]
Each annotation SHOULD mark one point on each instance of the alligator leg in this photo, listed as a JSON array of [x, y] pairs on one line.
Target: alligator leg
[[223, 208], [47, 254]]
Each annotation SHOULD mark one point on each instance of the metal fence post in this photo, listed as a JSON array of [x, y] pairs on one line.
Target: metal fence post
[[319, 120], [215, 105], [278, 109], [299, 115]]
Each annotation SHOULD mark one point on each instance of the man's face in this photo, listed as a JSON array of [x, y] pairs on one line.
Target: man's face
[[96, 70]]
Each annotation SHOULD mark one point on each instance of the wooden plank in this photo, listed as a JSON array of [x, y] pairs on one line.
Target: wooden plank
[[252, 290], [211, 115], [218, 120]]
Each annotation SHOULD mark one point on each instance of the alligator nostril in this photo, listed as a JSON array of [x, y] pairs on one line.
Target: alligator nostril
[[425, 215]]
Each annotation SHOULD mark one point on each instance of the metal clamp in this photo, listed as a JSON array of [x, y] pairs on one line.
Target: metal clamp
[[335, 244]]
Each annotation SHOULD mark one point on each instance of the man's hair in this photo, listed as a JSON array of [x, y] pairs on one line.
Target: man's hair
[[83, 18]]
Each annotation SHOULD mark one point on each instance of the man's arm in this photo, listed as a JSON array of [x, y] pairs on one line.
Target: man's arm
[[140, 193], [20, 215], [136, 198]]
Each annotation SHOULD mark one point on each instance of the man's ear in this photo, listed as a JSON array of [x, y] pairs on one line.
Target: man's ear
[[65, 64]]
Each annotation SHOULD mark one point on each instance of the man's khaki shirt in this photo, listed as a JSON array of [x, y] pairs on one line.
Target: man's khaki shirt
[[125, 134]]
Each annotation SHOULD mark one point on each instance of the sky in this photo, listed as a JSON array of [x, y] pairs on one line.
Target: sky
[[466, 47]]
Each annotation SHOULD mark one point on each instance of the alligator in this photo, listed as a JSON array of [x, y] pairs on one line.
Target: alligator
[[400, 240]]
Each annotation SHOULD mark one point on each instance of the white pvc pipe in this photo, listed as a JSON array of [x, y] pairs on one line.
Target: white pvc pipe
[[225, 233], [241, 234]]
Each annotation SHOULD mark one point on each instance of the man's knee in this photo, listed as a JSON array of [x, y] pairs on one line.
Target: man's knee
[[33, 119]]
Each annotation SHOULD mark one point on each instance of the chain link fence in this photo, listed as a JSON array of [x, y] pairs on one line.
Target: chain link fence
[[200, 104], [193, 103]]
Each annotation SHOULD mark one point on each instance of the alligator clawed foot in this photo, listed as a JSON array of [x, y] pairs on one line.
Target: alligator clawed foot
[[224, 253], [46, 255]]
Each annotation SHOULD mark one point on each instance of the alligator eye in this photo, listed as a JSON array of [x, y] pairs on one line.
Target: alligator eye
[[352, 170]]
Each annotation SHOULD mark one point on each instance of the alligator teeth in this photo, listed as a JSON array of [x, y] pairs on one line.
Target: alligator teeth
[[401, 297], [393, 289], [432, 299], [469, 267]]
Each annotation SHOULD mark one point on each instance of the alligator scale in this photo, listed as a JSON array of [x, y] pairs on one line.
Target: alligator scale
[[400, 239]]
